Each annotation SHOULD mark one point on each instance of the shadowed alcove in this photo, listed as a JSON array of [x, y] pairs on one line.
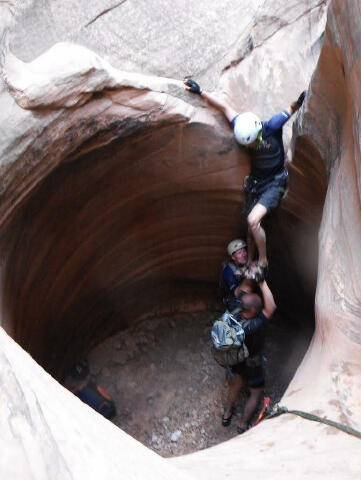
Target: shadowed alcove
[[135, 231]]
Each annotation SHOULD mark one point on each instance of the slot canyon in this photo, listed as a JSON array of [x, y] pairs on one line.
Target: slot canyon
[[119, 193]]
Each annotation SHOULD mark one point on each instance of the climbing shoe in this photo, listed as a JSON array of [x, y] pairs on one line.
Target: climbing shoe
[[193, 86], [265, 410], [226, 421], [241, 430]]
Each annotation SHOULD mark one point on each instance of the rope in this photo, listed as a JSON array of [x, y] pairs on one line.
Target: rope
[[280, 410]]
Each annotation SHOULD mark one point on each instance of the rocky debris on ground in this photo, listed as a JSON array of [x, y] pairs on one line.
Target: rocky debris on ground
[[175, 436], [169, 391]]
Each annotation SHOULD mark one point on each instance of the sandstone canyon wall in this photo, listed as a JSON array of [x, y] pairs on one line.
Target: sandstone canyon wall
[[138, 182], [120, 191]]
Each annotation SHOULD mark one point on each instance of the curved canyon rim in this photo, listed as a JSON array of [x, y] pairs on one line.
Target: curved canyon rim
[[107, 246]]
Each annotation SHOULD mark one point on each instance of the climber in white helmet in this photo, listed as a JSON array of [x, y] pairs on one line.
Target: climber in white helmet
[[267, 182]]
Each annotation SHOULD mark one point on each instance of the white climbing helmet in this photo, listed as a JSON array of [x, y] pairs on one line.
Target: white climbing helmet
[[247, 127], [235, 245]]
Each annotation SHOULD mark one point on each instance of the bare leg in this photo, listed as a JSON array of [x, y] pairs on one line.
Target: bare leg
[[235, 386], [228, 111], [250, 407], [259, 236]]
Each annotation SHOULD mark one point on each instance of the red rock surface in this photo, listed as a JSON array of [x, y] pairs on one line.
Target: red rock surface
[[327, 382], [331, 122]]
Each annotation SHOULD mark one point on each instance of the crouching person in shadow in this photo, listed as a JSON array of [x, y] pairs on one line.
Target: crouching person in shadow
[[249, 373], [78, 381]]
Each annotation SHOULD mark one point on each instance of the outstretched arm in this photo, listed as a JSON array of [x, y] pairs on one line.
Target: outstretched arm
[[277, 121], [214, 101], [220, 105], [268, 300]]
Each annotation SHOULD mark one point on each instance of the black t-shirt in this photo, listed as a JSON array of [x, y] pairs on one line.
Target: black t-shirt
[[254, 329], [268, 157]]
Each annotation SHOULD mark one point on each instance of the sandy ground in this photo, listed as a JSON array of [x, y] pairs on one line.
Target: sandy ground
[[169, 391]]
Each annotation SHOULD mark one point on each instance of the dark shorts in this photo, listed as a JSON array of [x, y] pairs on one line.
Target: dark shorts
[[252, 371], [269, 193]]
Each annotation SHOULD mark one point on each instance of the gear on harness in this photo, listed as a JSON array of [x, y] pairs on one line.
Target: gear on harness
[[193, 86], [280, 410]]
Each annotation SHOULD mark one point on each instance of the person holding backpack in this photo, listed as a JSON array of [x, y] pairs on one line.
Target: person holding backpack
[[267, 182], [249, 373]]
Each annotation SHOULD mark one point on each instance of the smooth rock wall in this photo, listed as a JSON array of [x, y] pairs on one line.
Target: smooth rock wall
[[49, 288], [331, 121], [119, 206], [327, 382]]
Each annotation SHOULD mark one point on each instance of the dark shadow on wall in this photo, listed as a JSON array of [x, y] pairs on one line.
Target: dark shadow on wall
[[131, 231]]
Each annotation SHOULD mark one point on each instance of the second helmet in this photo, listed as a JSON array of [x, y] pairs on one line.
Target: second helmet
[[235, 245]]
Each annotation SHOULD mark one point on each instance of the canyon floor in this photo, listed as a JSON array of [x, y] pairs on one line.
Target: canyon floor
[[168, 390]]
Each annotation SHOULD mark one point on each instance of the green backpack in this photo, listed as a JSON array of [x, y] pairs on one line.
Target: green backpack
[[228, 337]]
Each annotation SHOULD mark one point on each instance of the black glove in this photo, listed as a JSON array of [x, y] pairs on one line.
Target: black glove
[[301, 98], [193, 86]]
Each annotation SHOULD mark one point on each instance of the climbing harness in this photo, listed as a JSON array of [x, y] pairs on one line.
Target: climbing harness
[[280, 410]]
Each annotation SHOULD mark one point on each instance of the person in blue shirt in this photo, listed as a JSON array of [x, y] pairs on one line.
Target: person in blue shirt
[[237, 277], [266, 184]]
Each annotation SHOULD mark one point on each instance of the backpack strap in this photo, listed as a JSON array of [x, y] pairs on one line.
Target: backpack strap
[[232, 316]]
